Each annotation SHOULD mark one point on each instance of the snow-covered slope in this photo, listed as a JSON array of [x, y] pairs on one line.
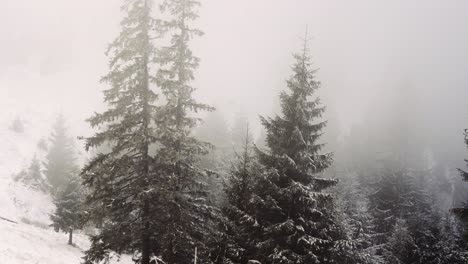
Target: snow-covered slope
[[18, 148], [30, 240], [26, 244]]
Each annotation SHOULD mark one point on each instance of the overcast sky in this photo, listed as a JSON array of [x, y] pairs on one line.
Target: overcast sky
[[52, 56]]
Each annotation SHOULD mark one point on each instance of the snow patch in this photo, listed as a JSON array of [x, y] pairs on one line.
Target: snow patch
[[27, 244]]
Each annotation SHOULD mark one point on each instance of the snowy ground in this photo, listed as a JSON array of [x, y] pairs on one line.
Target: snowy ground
[[26, 244], [30, 240]]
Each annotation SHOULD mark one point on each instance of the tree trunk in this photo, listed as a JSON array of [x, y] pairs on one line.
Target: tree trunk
[[145, 243], [70, 237], [145, 252]]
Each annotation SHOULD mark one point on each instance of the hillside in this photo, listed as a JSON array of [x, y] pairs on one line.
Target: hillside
[[29, 239], [26, 244]]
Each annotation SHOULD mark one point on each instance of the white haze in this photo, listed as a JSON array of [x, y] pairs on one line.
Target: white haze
[[52, 56]]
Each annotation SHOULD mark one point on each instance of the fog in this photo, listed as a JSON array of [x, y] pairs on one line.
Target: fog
[[394, 81], [368, 53]]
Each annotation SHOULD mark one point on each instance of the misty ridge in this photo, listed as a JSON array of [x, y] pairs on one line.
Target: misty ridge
[[233, 132]]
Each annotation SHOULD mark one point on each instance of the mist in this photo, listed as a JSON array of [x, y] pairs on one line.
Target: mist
[[363, 50], [393, 76]]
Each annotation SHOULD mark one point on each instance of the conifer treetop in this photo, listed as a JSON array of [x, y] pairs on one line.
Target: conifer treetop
[[293, 136]]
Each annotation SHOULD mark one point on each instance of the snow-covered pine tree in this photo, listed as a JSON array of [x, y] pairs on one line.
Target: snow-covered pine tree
[[186, 224], [353, 208], [424, 223], [122, 181], [60, 162], [69, 207], [436, 232], [294, 218], [400, 247], [391, 200], [242, 174], [237, 224], [450, 247], [402, 195]]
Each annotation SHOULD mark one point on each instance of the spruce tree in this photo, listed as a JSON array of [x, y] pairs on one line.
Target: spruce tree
[[68, 202], [450, 247], [400, 248], [353, 208], [402, 208], [291, 219], [242, 174], [123, 181], [60, 162], [236, 226], [392, 199], [186, 225], [424, 223], [295, 217]]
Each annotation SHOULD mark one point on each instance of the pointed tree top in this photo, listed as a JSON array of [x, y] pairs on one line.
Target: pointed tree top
[[306, 41]]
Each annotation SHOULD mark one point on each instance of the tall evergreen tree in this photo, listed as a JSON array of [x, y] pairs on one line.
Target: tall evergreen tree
[[400, 248], [290, 218], [68, 202], [449, 248], [242, 174], [404, 214], [123, 181], [392, 199], [296, 218], [60, 163], [237, 223], [353, 207], [186, 224]]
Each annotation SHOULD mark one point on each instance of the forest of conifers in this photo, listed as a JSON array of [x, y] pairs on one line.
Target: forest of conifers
[[169, 181]]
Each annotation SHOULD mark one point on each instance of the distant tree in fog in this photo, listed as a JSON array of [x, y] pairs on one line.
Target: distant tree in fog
[[60, 164], [236, 226]]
